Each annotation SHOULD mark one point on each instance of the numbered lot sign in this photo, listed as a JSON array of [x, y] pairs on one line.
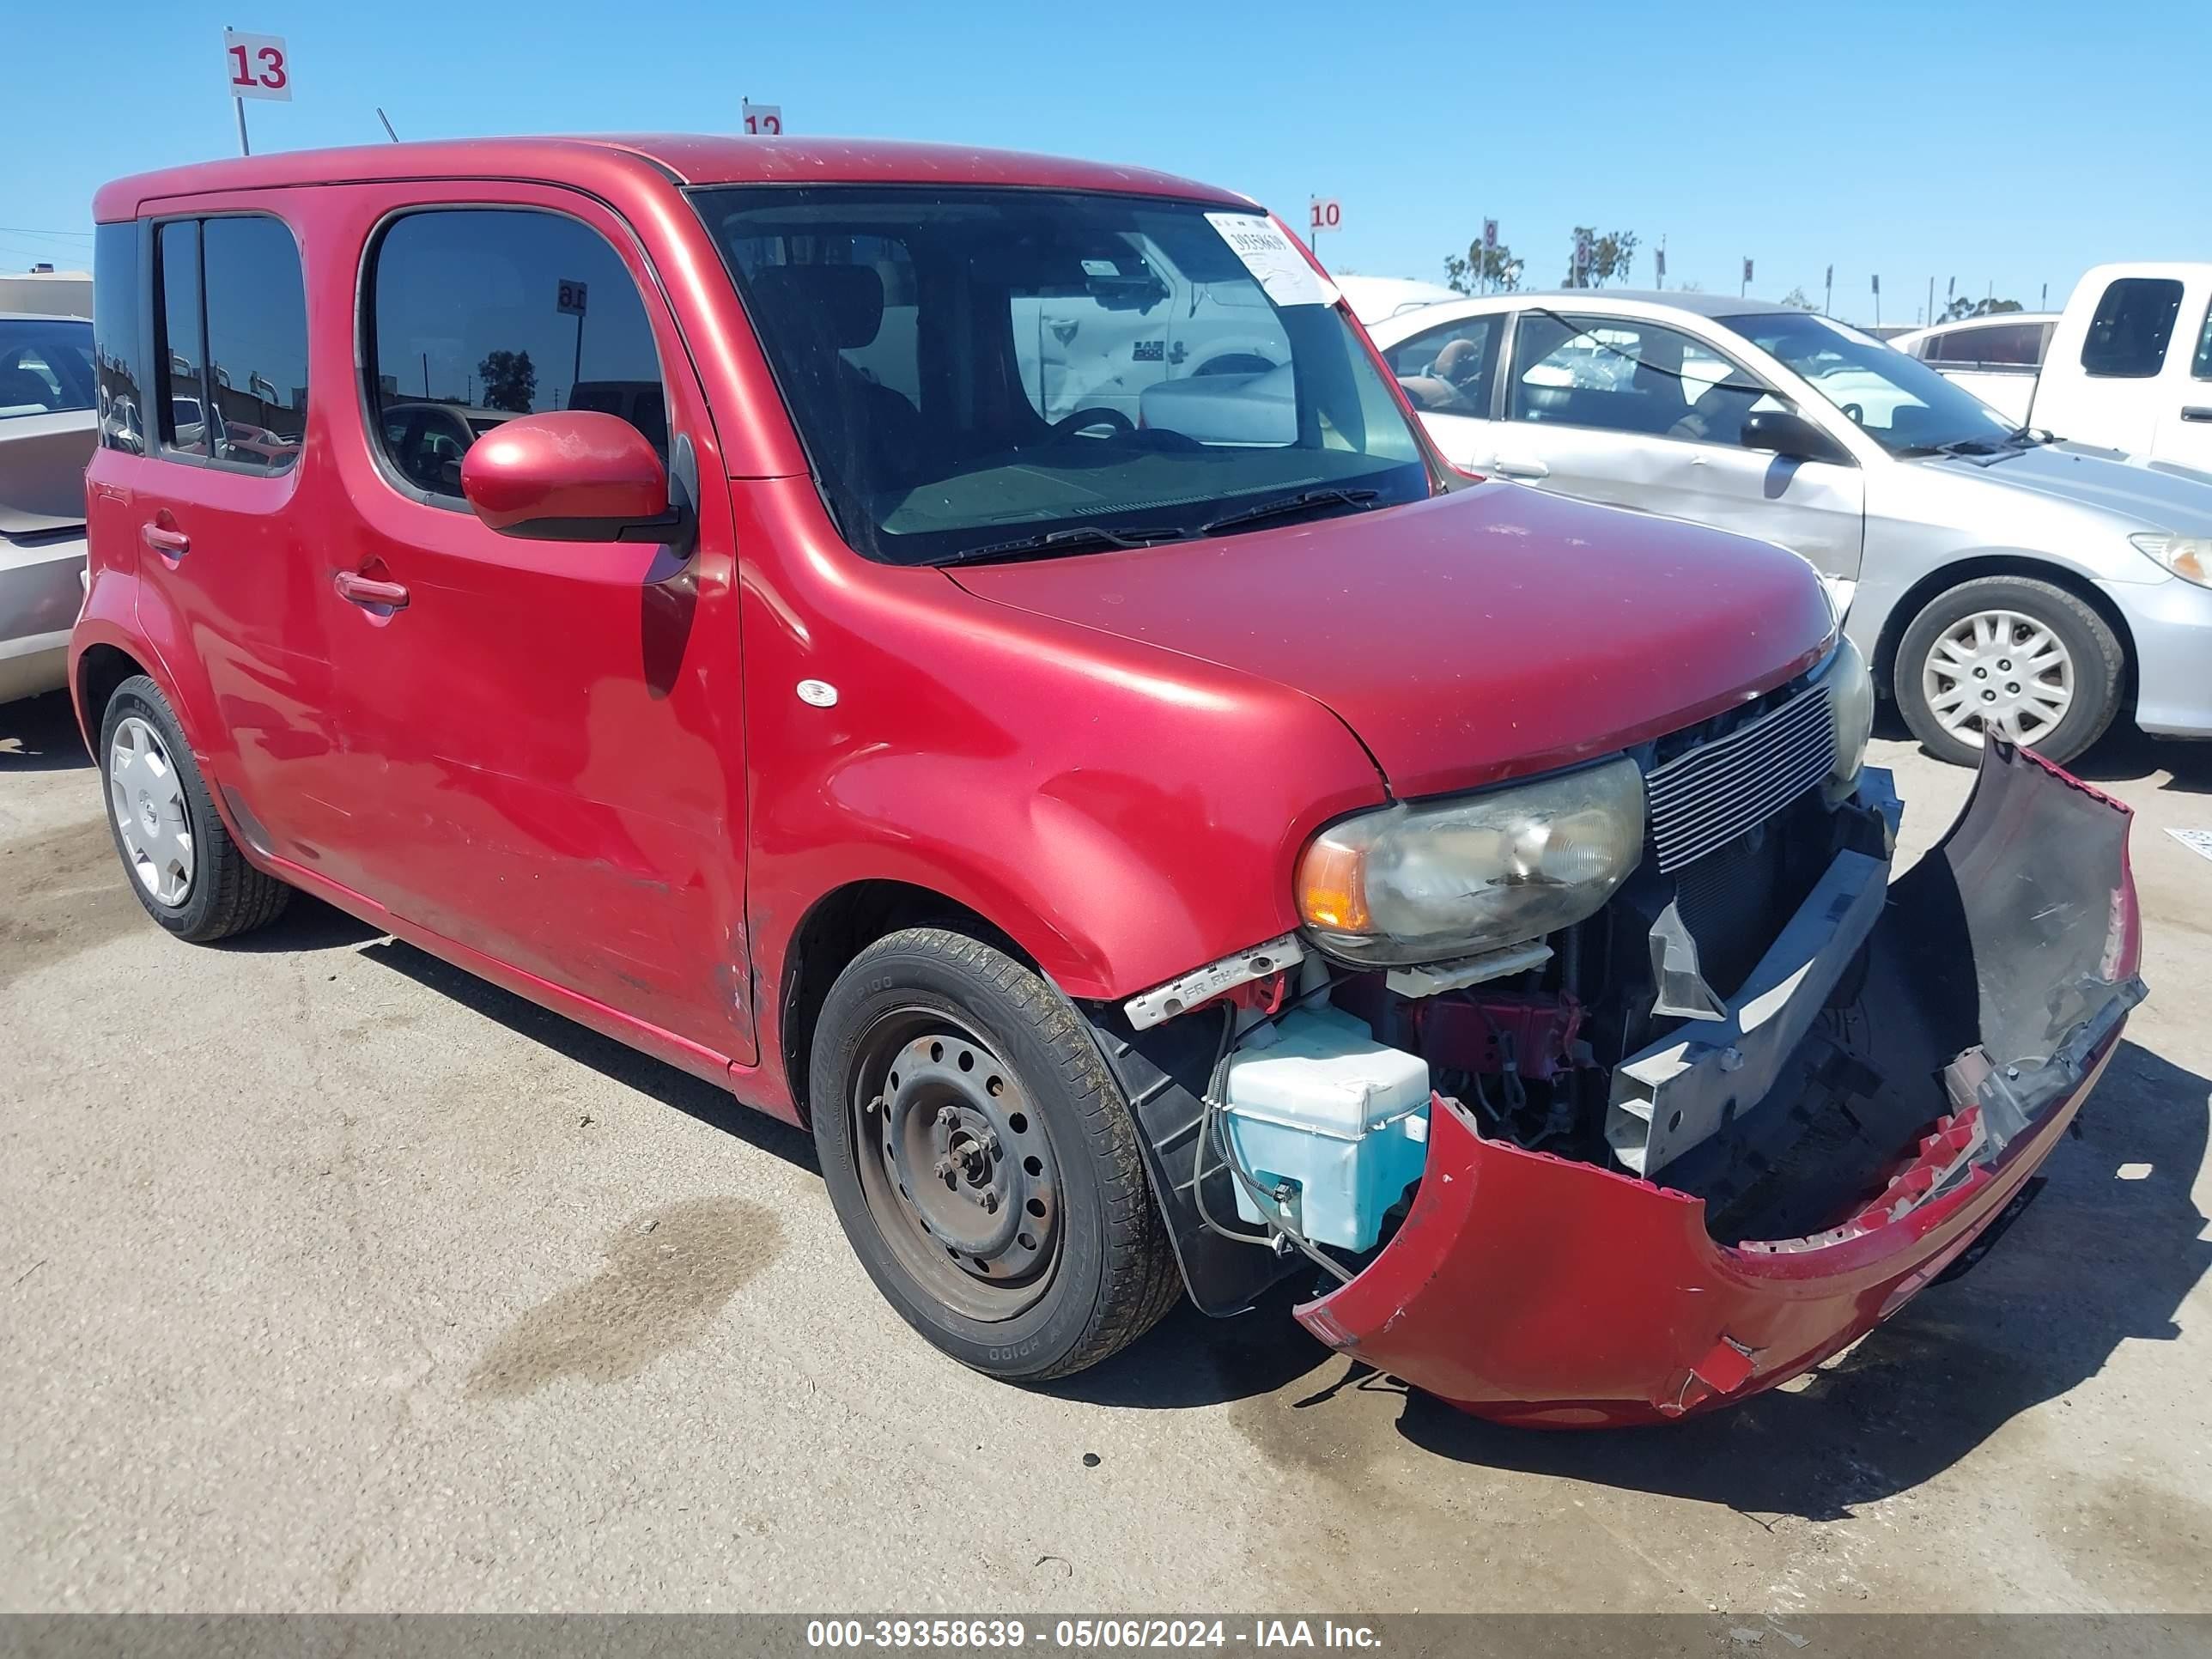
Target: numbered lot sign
[[258, 65], [763, 120], [1327, 214], [572, 296]]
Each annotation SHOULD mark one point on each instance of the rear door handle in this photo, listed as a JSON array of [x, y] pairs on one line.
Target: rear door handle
[[366, 590], [169, 544], [2196, 413], [1516, 467]]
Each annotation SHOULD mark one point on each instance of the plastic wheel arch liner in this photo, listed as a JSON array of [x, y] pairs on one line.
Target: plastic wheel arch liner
[[1528, 1288]]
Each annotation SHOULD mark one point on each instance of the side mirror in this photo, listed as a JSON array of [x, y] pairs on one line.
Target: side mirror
[[1791, 435], [574, 475]]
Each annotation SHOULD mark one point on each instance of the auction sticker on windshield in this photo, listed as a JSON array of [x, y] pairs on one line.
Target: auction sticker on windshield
[[1278, 267]]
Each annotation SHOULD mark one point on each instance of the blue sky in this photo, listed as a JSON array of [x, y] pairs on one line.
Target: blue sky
[[2006, 145]]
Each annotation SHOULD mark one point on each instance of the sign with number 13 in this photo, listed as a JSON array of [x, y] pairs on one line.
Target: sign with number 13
[[259, 65]]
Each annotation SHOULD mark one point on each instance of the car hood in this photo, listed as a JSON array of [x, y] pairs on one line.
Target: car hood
[[2155, 496], [1478, 636]]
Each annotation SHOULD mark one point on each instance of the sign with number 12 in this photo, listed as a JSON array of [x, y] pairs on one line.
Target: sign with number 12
[[763, 120], [259, 65]]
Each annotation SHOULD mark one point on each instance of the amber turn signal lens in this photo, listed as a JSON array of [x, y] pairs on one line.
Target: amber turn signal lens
[[1333, 888]]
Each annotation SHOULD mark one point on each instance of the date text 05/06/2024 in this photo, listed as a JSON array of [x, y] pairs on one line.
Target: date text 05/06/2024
[[1087, 1634]]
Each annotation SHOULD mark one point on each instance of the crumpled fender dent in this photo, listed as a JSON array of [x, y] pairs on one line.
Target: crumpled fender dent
[[1532, 1289]]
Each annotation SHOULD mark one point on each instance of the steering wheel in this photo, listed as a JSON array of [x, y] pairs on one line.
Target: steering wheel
[[1069, 425]]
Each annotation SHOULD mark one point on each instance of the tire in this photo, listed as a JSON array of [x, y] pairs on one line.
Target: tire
[[150, 775], [1967, 640], [1038, 1131]]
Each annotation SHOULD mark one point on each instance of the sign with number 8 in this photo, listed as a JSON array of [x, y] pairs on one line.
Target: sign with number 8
[[258, 65]]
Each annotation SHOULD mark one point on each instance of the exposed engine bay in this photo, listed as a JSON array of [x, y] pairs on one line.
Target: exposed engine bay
[[1760, 1040]]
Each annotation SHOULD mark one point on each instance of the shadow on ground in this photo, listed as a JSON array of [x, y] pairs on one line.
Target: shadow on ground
[[694, 1096], [39, 734], [2097, 1261]]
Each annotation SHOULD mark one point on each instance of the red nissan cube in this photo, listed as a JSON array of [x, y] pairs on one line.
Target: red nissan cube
[[974, 654]]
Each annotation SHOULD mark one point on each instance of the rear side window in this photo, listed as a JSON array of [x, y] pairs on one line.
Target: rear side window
[[477, 315], [1450, 369], [2134, 322], [231, 358], [118, 350], [2201, 369], [2004, 345]]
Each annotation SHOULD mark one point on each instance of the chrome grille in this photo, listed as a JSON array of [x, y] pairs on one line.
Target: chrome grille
[[1712, 794]]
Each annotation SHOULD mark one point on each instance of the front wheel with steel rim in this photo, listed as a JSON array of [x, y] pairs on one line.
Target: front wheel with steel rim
[[2012, 656], [185, 869], [981, 1160]]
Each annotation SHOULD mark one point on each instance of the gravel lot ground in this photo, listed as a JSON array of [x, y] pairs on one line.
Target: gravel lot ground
[[331, 1278]]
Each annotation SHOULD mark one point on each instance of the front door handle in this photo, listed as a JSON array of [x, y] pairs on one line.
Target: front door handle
[[1512, 466], [2198, 412], [367, 589], [169, 544]]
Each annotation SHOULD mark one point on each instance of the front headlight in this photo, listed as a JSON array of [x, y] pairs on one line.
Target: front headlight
[[1851, 705], [2189, 558], [1447, 879]]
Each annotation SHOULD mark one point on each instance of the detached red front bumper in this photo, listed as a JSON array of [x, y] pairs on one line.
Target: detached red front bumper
[[1531, 1289]]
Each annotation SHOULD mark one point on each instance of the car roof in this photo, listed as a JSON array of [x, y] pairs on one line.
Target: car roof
[[1987, 319], [1690, 299], [43, 317], [680, 158]]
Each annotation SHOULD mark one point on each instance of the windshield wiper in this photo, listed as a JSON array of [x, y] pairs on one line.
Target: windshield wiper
[[1064, 541], [1305, 501]]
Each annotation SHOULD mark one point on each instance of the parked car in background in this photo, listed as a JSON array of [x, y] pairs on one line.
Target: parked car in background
[[47, 431], [1996, 357], [1999, 583], [2127, 365], [1124, 848], [1372, 299]]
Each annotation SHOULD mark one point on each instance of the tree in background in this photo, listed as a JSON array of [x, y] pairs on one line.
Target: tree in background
[[1796, 297], [1966, 307], [1483, 270], [510, 380], [1611, 256]]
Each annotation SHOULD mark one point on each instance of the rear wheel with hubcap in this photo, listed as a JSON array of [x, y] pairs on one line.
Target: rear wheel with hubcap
[[2023, 658], [186, 871], [981, 1160]]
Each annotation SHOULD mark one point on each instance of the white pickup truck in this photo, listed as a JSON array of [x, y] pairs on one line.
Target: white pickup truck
[[2127, 365]]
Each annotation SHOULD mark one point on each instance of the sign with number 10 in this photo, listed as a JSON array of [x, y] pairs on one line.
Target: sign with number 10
[[1327, 214], [259, 65]]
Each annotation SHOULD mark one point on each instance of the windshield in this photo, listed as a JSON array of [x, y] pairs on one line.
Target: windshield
[[46, 365], [1899, 401], [975, 371]]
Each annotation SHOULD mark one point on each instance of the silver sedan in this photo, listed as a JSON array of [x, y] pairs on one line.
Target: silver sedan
[[1997, 579], [47, 431]]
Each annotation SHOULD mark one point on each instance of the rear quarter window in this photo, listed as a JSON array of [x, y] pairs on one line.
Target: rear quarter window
[[2133, 324]]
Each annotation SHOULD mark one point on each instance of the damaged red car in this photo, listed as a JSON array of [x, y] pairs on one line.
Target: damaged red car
[[974, 654]]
